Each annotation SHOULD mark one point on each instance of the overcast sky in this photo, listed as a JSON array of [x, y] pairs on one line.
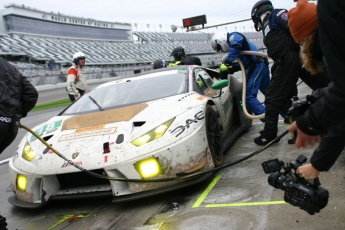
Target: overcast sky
[[155, 13]]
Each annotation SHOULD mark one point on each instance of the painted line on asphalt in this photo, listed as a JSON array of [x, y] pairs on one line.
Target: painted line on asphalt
[[245, 204], [206, 192], [210, 187]]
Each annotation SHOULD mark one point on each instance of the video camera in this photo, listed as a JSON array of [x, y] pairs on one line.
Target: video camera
[[306, 194], [298, 108]]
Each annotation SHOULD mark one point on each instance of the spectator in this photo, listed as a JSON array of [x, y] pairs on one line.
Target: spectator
[[286, 69], [326, 115], [257, 71], [181, 58], [17, 97], [76, 78]]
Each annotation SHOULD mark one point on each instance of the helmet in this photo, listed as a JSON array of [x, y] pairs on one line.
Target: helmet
[[258, 9], [77, 56], [178, 53], [159, 64], [219, 42]]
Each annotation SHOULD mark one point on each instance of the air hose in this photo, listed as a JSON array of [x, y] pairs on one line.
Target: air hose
[[244, 82]]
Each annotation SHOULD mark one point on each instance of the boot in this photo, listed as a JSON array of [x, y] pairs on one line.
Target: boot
[[265, 138]]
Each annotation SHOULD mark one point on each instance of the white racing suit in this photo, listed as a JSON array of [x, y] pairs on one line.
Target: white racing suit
[[76, 79]]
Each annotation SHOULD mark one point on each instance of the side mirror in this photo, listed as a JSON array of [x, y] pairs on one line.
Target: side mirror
[[215, 90], [220, 84]]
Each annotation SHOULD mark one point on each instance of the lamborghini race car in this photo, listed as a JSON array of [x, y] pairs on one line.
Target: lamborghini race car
[[153, 125]]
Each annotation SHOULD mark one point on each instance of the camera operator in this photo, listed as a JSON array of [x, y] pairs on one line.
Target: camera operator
[[326, 115], [17, 97]]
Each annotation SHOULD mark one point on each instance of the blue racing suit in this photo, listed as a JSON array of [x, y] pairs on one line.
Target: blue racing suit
[[257, 70]]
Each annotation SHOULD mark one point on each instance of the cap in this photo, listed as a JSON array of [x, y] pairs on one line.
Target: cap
[[302, 20]]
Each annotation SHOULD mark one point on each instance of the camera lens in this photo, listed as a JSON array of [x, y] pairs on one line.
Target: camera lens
[[273, 179]]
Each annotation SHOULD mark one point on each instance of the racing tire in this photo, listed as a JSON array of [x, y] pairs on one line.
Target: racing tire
[[214, 135]]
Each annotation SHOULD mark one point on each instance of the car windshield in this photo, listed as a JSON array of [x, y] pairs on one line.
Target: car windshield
[[132, 91]]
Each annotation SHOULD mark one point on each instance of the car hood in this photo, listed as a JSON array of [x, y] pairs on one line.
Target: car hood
[[85, 139]]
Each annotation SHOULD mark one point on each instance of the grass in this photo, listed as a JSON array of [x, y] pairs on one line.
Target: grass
[[51, 105]]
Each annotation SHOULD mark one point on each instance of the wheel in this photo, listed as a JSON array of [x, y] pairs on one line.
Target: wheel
[[214, 135]]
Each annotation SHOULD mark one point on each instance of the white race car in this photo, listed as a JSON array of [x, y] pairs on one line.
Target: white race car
[[129, 137]]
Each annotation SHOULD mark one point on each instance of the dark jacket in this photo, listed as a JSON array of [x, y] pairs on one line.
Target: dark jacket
[[17, 94], [328, 111], [191, 60], [277, 36], [327, 114]]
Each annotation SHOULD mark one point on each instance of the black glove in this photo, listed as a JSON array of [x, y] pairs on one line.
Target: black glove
[[233, 68]]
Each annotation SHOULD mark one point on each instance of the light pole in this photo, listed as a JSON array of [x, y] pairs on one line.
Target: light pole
[[148, 27]]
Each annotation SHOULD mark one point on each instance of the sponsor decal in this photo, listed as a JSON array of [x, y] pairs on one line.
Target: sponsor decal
[[66, 164], [5, 119], [231, 38], [185, 96], [266, 30], [280, 12], [106, 131], [284, 16], [105, 159], [89, 128], [180, 129], [182, 71], [46, 129]]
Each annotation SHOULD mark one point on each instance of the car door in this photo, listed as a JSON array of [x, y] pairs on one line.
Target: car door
[[203, 84]]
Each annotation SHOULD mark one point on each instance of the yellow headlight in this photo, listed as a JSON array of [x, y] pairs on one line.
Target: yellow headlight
[[28, 153], [153, 134], [148, 167], [21, 182]]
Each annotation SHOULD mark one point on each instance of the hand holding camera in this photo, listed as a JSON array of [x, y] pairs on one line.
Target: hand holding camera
[[298, 108], [306, 194]]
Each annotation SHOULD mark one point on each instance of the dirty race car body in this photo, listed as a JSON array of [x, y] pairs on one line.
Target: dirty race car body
[[170, 120]]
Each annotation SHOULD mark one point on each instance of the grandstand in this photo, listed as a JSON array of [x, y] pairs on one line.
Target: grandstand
[[41, 44]]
